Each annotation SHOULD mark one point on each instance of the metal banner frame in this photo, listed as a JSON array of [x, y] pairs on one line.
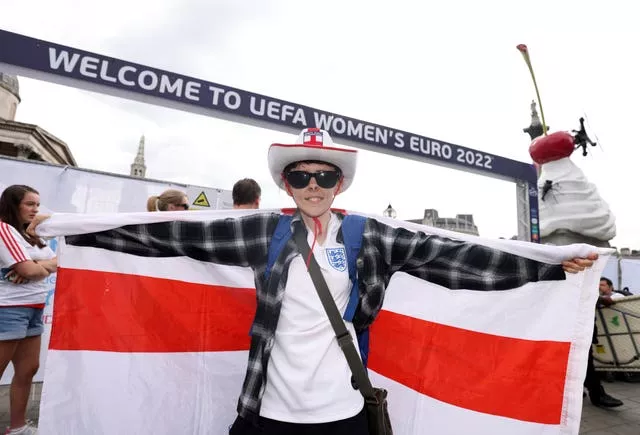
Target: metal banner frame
[[48, 61]]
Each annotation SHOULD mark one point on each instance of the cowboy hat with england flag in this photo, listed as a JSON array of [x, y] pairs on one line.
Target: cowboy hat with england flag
[[312, 144]]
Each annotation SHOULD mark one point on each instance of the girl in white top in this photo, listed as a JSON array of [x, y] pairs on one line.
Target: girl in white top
[[25, 261]]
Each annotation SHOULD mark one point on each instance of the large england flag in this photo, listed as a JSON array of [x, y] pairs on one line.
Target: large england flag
[[159, 345]]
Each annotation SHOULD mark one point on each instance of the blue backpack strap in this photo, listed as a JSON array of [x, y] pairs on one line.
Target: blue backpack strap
[[352, 231], [363, 345], [281, 236]]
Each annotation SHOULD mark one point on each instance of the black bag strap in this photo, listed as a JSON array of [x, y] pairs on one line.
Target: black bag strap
[[345, 340]]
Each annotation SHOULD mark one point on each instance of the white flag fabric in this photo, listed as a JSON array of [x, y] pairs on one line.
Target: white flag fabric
[[145, 345]]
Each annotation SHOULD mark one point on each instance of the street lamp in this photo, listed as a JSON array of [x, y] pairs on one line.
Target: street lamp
[[389, 212]]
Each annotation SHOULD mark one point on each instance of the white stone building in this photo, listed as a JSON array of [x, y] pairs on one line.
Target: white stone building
[[26, 141]]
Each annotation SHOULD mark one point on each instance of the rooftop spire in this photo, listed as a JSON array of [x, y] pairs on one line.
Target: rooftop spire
[[138, 168]]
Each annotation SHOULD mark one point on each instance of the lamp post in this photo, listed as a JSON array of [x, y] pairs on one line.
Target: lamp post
[[389, 212]]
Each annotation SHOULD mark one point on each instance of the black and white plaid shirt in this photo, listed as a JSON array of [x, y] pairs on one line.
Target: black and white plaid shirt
[[385, 250]]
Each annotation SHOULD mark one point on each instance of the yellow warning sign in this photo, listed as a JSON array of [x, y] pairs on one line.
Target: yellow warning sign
[[202, 200]]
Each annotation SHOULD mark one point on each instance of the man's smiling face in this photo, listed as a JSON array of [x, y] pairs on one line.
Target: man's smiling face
[[313, 200]]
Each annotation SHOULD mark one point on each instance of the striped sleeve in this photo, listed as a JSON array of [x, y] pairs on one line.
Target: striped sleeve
[[11, 249]]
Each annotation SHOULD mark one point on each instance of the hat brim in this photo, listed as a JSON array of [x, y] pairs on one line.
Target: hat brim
[[281, 155]]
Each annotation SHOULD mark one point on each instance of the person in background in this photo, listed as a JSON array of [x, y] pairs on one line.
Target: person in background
[[25, 262], [606, 289], [246, 194], [593, 379], [169, 200]]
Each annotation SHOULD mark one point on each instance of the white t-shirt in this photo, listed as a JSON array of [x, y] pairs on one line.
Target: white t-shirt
[[308, 378], [15, 249]]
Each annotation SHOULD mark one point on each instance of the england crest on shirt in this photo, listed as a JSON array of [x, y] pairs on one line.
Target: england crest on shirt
[[337, 258]]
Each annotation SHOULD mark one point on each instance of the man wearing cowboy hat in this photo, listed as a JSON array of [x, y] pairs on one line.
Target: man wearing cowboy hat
[[297, 379]]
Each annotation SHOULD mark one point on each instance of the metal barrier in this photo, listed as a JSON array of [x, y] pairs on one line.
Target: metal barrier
[[618, 347]]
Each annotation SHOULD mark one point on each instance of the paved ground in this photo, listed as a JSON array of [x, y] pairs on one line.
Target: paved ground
[[33, 410], [624, 420], [595, 421]]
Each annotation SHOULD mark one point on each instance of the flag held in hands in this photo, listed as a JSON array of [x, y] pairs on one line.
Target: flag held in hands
[[159, 345]]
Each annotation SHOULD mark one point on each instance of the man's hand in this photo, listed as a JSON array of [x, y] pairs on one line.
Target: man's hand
[[579, 264], [605, 301], [31, 229]]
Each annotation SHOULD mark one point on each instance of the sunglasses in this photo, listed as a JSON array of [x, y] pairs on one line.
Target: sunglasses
[[301, 179], [185, 206]]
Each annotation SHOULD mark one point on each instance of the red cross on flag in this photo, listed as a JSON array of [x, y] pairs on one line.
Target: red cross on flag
[[313, 136]]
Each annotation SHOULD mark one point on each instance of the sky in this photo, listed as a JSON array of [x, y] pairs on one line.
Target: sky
[[448, 70]]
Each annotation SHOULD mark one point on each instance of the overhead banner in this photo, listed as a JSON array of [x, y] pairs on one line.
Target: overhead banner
[[58, 63]]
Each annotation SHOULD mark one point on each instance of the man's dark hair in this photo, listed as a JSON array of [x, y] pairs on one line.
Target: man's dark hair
[[608, 281], [246, 191]]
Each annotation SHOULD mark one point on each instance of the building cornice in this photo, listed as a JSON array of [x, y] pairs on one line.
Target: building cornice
[[43, 137]]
